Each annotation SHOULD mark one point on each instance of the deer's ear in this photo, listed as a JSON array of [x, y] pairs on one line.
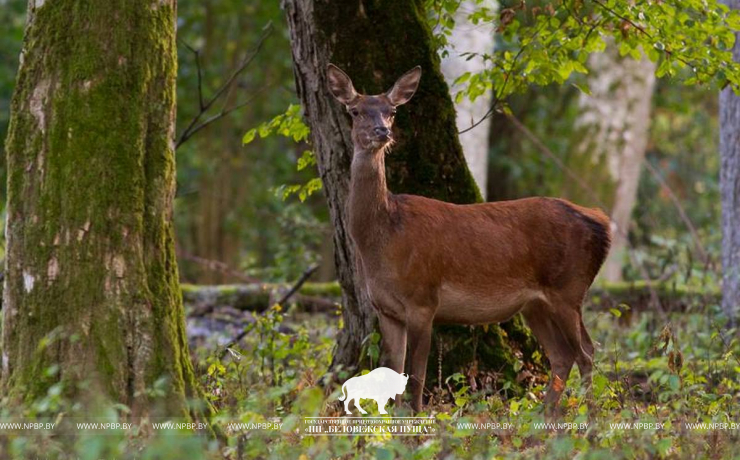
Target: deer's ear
[[405, 87], [340, 85]]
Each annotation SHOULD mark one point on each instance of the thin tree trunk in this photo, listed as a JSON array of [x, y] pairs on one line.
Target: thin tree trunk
[[729, 182], [614, 123], [375, 42], [91, 281], [471, 38]]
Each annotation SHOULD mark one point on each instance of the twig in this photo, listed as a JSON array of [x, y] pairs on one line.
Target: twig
[[725, 345], [193, 126], [682, 213], [306, 275], [596, 24], [500, 94], [544, 149], [623, 232], [646, 33], [217, 265], [198, 67], [188, 134]]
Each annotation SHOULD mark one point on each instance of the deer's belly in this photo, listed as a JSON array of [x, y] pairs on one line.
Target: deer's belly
[[458, 305]]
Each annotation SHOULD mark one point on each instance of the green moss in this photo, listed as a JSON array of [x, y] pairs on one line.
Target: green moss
[[322, 289], [664, 290], [90, 193], [638, 296], [491, 351], [252, 297]]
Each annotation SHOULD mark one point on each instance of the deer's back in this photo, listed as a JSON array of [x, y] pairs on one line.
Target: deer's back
[[516, 250]]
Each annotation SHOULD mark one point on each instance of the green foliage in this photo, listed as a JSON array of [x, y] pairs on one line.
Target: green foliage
[[644, 374], [675, 371], [303, 232], [680, 368], [542, 45], [69, 440], [290, 124], [227, 208]]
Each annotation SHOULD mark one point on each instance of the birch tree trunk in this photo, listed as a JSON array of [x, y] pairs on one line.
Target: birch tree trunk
[[91, 282], [470, 38], [614, 125], [375, 41], [729, 183]]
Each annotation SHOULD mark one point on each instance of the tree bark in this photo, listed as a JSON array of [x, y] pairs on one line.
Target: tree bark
[[471, 38], [91, 281], [375, 41], [613, 129], [729, 183]]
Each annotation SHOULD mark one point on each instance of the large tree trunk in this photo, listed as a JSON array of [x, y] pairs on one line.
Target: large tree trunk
[[375, 42], [471, 38], [614, 125], [729, 182], [91, 280]]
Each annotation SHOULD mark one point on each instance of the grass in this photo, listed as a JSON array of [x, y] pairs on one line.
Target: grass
[[666, 373]]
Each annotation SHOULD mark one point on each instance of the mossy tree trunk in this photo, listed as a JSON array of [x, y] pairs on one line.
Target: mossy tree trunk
[[729, 184], [375, 41], [91, 283]]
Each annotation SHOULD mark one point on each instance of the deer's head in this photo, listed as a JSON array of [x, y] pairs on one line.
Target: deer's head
[[372, 116]]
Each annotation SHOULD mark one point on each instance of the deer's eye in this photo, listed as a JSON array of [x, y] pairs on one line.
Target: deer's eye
[[354, 112]]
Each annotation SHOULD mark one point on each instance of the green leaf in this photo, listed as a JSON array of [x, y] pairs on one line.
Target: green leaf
[[306, 159], [582, 88], [249, 136]]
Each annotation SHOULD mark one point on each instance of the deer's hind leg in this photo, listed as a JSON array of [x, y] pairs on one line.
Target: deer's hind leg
[[543, 323], [587, 346], [569, 319]]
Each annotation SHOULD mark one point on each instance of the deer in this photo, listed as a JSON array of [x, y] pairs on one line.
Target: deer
[[427, 262]]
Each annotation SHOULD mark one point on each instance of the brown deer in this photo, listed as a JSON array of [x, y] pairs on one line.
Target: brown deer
[[426, 261]]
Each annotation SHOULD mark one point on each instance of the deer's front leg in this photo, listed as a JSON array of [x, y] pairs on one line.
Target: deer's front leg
[[393, 339], [419, 327]]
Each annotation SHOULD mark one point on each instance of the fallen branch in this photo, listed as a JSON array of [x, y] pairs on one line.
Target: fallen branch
[[637, 296], [257, 297], [259, 303], [307, 274]]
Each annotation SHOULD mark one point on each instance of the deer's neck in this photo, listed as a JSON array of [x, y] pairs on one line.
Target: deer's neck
[[369, 199]]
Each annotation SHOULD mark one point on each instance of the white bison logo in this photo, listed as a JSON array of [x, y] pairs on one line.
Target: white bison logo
[[380, 384]]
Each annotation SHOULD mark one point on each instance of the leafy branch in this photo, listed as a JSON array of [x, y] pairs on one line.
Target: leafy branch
[[692, 40], [289, 124], [196, 124]]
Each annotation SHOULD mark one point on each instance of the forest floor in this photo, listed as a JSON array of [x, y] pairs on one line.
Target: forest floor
[[664, 386]]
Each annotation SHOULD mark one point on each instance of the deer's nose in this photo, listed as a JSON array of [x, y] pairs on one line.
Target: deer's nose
[[381, 131]]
